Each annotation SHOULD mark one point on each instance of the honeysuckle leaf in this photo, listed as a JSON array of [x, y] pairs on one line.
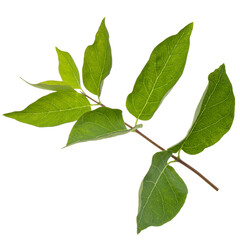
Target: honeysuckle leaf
[[213, 117], [97, 61], [54, 109], [51, 85], [68, 69], [98, 124], [161, 195], [160, 74]]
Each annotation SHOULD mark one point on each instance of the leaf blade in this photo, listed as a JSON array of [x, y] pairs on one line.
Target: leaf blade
[[161, 195], [97, 61], [98, 124], [51, 85], [68, 69], [214, 114], [159, 75], [53, 109]]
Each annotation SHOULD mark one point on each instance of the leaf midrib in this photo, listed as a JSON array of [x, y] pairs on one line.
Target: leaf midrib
[[201, 113], [159, 76], [59, 110], [101, 68], [154, 186], [74, 74]]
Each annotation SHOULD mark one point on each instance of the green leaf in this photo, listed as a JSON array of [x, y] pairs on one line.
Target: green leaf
[[161, 195], [52, 85], [68, 69], [98, 124], [54, 109], [213, 117], [159, 75], [97, 61]]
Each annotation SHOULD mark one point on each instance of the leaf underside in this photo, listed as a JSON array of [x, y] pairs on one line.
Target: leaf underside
[[97, 61], [54, 109], [213, 117], [160, 74], [161, 195], [52, 85], [98, 124]]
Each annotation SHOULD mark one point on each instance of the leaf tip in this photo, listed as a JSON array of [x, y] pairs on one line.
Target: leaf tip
[[67, 145], [9, 115], [189, 26], [103, 24], [57, 49], [223, 66], [24, 80]]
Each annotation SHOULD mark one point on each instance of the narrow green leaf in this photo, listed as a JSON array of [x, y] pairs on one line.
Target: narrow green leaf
[[52, 85], [54, 109], [98, 124], [68, 69], [161, 195], [213, 117], [160, 74], [97, 61]]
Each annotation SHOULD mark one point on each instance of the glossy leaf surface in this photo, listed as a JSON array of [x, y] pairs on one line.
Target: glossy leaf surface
[[97, 61], [160, 74], [214, 114], [54, 109], [52, 85], [68, 69], [98, 124], [161, 195]]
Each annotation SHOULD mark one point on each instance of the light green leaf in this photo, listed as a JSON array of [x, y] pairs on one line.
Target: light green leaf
[[161, 195], [68, 69], [54, 109], [97, 61], [159, 75], [213, 117], [52, 85], [98, 124]]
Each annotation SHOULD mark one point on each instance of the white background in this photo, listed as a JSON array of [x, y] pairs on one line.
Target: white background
[[90, 190]]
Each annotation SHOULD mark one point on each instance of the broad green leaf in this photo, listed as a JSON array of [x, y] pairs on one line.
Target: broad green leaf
[[52, 85], [159, 75], [161, 195], [98, 124], [54, 109], [213, 117], [97, 61], [68, 69]]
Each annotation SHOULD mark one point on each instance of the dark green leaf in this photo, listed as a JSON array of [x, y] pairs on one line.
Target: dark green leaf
[[161, 195], [213, 117], [68, 69], [159, 75], [54, 109], [52, 85], [97, 61], [98, 124]]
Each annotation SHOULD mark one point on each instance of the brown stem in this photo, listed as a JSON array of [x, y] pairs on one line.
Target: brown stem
[[158, 146]]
